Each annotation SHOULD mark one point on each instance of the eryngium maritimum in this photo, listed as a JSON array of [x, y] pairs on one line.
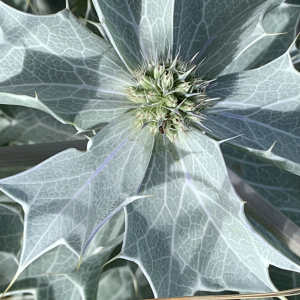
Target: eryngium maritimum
[[169, 95]]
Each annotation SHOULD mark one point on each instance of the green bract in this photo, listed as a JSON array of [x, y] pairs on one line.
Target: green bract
[[169, 96], [170, 89]]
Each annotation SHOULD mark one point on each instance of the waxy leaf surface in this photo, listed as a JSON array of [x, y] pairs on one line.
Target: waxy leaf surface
[[215, 29], [10, 229], [138, 29], [60, 67], [193, 233], [279, 187], [259, 107], [147, 29], [271, 38], [31, 126], [72, 194], [124, 282], [54, 276]]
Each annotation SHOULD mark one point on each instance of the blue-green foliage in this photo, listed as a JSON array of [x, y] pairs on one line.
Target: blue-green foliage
[[169, 200]]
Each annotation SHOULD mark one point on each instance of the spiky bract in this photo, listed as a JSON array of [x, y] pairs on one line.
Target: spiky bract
[[169, 96]]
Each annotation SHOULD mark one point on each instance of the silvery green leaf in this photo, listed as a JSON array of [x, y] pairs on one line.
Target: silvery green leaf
[[144, 290], [273, 159], [215, 30], [91, 21], [278, 186], [11, 229], [60, 67], [109, 233], [65, 196], [9, 266], [193, 233], [44, 286], [31, 126], [89, 275], [282, 279], [137, 29], [117, 284], [63, 284], [54, 276], [124, 282], [58, 260], [90, 271], [259, 107], [268, 46], [4, 198]]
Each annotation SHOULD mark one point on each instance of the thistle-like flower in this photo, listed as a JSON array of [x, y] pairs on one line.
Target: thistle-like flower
[[168, 96], [190, 233]]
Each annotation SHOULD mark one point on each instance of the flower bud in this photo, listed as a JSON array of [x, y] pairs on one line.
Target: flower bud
[[153, 127], [146, 83], [179, 127], [176, 120], [171, 101], [158, 71], [161, 113], [148, 116], [187, 105], [137, 96], [167, 81], [183, 87], [153, 96], [139, 114]]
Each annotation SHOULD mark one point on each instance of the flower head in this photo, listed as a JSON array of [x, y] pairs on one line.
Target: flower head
[[191, 234], [169, 96]]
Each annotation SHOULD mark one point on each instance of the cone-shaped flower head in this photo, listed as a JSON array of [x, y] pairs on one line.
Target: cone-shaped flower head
[[169, 96]]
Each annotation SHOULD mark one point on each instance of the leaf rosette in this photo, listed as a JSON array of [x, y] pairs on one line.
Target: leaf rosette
[[192, 232]]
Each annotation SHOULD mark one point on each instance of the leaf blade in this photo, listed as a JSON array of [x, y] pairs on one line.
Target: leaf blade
[[198, 224], [74, 212], [56, 72], [138, 30], [261, 106], [274, 35], [216, 32]]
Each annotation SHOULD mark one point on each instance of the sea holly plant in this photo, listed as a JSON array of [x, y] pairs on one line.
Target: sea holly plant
[[168, 89]]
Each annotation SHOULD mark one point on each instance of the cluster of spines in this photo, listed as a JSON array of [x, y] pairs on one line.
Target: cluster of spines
[[169, 96]]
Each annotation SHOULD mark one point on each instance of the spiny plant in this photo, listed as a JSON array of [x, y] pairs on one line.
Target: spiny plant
[[174, 97]]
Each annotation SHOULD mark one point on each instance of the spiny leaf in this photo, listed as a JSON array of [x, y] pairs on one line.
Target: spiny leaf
[[31, 126], [279, 187], [10, 229], [60, 67], [271, 38], [216, 29], [71, 195], [259, 107], [138, 29], [198, 225]]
